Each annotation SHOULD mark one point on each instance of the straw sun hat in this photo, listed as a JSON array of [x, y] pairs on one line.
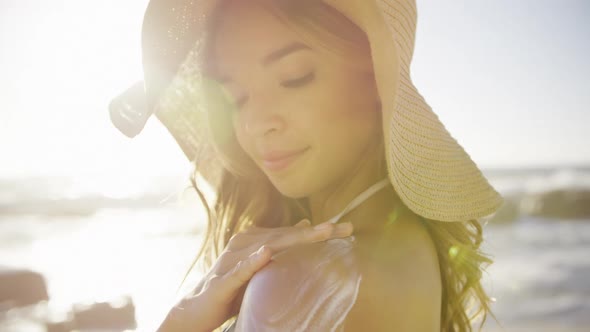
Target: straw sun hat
[[429, 170]]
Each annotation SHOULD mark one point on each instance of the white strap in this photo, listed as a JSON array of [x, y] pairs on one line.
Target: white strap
[[360, 198]]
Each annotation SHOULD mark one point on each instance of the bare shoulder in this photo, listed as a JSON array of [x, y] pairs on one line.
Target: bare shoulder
[[401, 286]]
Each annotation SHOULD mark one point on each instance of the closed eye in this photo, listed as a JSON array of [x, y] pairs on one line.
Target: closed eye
[[294, 83]]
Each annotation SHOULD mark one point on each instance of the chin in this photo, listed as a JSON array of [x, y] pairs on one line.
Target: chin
[[293, 187]]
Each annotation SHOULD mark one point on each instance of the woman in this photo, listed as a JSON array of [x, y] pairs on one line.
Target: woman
[[300, 114]]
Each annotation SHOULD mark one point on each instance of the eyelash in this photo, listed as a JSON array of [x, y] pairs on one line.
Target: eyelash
[[299, 81], [295, 83]]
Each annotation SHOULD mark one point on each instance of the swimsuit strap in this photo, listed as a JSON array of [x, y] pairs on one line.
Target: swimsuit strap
[[360, 198]]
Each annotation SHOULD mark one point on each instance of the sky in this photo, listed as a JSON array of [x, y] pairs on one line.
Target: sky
[[509, 79]]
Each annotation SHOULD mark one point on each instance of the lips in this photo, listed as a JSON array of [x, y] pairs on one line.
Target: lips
[[278, 160]]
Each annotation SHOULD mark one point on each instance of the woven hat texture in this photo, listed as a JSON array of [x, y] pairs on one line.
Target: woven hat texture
[[431, 172]]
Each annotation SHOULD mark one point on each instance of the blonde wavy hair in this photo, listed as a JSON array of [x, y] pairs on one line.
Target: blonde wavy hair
[[246, 197]]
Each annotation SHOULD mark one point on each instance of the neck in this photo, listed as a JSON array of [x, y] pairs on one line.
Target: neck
[[369, 214]]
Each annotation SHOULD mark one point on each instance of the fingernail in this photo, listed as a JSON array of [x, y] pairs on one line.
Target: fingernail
[[260, 251], [322, 226], [305, 221]]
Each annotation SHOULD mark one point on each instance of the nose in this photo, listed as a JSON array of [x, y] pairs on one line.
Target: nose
[[263, 116]]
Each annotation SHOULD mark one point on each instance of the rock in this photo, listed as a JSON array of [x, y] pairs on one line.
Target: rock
[[106, 315], [509, 211], [64, 326], [571, 203], [21, 288]]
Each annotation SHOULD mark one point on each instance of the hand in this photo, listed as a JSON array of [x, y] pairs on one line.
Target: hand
[[219, 294]]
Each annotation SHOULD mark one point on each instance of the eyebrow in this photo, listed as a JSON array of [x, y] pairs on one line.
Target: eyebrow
[[275, 56]]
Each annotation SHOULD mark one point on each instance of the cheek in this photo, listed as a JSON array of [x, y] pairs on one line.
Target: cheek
[[345, 102], [345, 116]]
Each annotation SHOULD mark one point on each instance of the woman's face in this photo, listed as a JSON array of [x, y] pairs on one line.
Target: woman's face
[[305, 115]]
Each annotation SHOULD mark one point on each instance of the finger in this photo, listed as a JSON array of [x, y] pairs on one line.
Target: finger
[[258, 230], [337, 229], [300, 235], [342, 230], [328, 230], [244, 270], [274, 231], [280, 238], [245, 239]]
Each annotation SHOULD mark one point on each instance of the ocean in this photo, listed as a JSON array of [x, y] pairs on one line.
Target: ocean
[[93, 246]]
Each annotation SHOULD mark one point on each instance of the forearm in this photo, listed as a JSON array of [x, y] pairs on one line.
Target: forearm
[[178, 320]]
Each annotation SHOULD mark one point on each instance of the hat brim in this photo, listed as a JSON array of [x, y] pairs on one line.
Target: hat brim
[[431, 172]]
